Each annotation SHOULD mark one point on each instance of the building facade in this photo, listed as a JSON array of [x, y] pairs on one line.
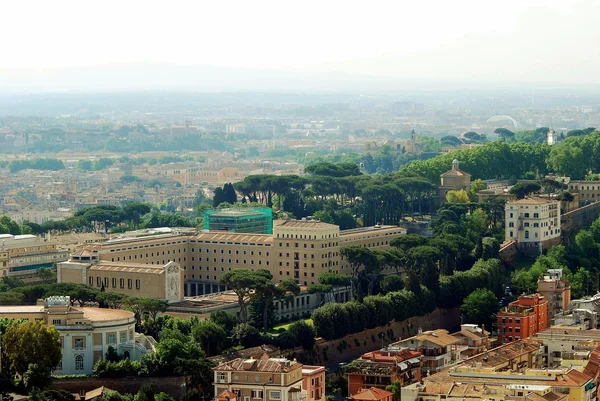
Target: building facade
[[28, 253], [381, 368], [298, 249], [85, 333], [439, 349], [132, 279], [557, 290], [522, 318], [534, 223], [267, 379], [452, 180]]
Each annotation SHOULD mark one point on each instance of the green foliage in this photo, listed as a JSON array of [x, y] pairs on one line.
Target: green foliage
[[36, 164], [24, 342], [335, 320], [492, 160], [304, 333], [246, 335], [479, 306]]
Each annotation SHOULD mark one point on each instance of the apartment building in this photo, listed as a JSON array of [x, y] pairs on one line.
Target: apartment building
[[522, 318], [476, 340], [534, 223], [28, 253], [439, 349], [567, 345], [379, 369], [557, 290], [313, 382], [298, 249], [267, 379], [85, 333], [509, 372]]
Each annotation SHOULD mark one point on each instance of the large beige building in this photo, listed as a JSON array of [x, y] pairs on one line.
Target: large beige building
[[298, 249], [163, 281], [85, 333], [534, 223]]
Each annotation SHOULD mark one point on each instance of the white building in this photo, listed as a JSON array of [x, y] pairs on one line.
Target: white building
[[534, 223], [85, 333]]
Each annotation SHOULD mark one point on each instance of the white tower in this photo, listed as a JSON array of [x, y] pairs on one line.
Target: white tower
[[552, 137]]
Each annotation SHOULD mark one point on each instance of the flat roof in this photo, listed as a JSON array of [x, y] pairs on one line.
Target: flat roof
[[229, 236], [128, 267], [306, 224]]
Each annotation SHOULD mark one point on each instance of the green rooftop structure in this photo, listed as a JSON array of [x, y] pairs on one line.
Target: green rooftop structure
[[254, 220]]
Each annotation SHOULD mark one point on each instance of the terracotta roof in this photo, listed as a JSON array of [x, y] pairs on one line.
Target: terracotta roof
[[455, 173], [306, 224], [128, 267], [503, 354], [226, 395], [571, 378], [592, 368], [439, 337], [533, 200], [371, 394], [475, 335], [259, 365], [232, 237]]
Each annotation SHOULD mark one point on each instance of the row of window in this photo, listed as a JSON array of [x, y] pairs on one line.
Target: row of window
[[237, 252], [121, 282]]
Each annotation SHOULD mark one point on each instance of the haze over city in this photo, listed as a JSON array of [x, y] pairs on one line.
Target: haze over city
[[316, 45]]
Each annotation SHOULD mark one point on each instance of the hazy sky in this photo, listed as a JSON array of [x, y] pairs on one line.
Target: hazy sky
[[508, 40]]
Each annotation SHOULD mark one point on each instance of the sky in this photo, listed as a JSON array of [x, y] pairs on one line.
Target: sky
[[554, 41]]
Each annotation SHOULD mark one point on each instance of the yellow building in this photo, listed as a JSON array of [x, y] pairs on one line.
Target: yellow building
[[85, 333], [27, 253], [132, 279], [298, 249]]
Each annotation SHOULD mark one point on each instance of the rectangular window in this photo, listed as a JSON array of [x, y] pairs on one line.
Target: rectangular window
[[79, 343], [122, 283], [114, 283], [257, 394], [110, 339], [123, 338], [129, 283], [56, 321], [137, 284], [275, 395]]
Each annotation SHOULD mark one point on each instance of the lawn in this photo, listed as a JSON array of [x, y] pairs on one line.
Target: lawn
[[287, 325]]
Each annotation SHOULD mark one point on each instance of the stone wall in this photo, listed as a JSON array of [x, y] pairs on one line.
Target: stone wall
[[576, 220], [171, 385], [331, 353]]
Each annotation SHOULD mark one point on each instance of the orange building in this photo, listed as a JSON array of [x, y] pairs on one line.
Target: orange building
[[372, 394], [313, 382], [382, 368], [522, 318]]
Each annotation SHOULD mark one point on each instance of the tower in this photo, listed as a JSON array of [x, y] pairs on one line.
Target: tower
[[552, 137]]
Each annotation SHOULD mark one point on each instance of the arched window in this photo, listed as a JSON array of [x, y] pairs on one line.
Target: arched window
[[526, 234], [126, 355], [78, 362]]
